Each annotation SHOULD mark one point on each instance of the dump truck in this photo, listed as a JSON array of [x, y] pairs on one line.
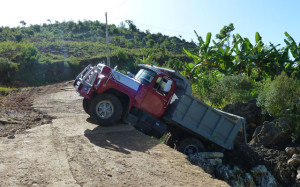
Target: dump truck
[[158, 102]]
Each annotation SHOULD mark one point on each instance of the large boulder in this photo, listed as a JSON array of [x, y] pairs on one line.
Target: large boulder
[[295, 160], [292, 150], [268, 134], [263, 177]]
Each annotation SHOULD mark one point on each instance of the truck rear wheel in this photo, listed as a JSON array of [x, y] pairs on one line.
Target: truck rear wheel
[[86, 103], [106, 109], [190, 146]]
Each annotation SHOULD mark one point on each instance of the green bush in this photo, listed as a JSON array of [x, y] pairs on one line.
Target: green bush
[[280, 95], [228, 89], [281, 98], [7, 70]]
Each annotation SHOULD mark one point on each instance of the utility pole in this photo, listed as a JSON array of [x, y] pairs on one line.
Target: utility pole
[[107, 42]]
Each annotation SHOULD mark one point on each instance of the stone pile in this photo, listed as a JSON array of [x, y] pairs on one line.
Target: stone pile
[[211, 162], [294, 161]]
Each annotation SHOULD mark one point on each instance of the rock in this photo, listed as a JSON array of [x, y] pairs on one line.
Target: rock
[[237, 171], [206, 160], [239, 175], [237, 183], [223, 172], [267, 134], [215, 162], [203, 163], [248, 110], [290, 150], [282, 123], [208, 168], [209, 155], [5, 121], [294, 161], [263, 177], [11, 136], [248, 180]]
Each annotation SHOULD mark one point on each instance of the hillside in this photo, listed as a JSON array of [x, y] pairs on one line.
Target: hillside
[[39, 54]]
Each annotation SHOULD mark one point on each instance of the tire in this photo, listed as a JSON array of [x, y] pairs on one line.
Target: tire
[[106, 109], [86, 103], [190, 146]]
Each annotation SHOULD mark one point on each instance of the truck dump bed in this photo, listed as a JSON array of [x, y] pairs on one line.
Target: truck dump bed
[[193, 114]]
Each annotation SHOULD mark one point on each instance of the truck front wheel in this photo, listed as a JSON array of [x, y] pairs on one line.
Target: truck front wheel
[[190, 146], [106, 109], [86, 103]]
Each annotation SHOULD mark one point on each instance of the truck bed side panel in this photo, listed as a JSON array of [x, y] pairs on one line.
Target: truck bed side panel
[[203, 120]]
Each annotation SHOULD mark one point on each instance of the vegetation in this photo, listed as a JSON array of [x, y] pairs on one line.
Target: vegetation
[[280, 98], [47, 53], [234, 69], [4, 91], [227, 69]]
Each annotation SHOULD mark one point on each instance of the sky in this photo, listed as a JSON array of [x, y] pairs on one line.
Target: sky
[[271, 18]]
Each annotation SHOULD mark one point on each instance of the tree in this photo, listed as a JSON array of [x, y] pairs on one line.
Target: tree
[[131, 25], [122, 25], [150, 43], [23, 23], [225, 32]]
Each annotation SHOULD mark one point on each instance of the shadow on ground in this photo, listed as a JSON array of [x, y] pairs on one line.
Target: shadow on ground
[[121, 138]]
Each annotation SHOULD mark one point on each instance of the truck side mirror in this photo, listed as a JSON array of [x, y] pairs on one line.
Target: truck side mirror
[[168, 86]]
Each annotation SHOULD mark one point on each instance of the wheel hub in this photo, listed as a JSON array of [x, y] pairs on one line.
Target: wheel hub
[[190, 149], [105, 109]]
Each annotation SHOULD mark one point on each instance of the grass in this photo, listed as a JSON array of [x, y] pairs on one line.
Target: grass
[[4, 91]]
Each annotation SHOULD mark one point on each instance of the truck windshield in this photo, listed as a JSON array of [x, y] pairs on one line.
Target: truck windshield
[[145, 76]]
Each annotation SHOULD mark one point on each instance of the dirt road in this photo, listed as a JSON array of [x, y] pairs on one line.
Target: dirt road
[[72, 151]]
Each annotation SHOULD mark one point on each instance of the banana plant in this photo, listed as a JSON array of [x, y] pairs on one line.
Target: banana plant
[[281, 60], [224, 57], [294, 65], [204, 59], [253, 58], [242, 49]]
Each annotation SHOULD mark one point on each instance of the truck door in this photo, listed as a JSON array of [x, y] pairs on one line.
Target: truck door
[[156, 100]]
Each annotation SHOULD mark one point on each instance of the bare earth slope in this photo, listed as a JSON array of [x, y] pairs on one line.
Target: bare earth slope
[[71, 151]]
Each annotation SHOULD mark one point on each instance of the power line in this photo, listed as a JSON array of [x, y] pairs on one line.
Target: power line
[[157, 27], [116, 7]]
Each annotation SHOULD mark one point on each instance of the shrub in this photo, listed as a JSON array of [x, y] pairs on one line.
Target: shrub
[[229, 89], [280, 95], [7, 70], [281, 98]]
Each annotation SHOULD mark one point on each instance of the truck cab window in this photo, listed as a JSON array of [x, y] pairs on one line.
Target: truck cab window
[[159, 85], [145, 76]]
